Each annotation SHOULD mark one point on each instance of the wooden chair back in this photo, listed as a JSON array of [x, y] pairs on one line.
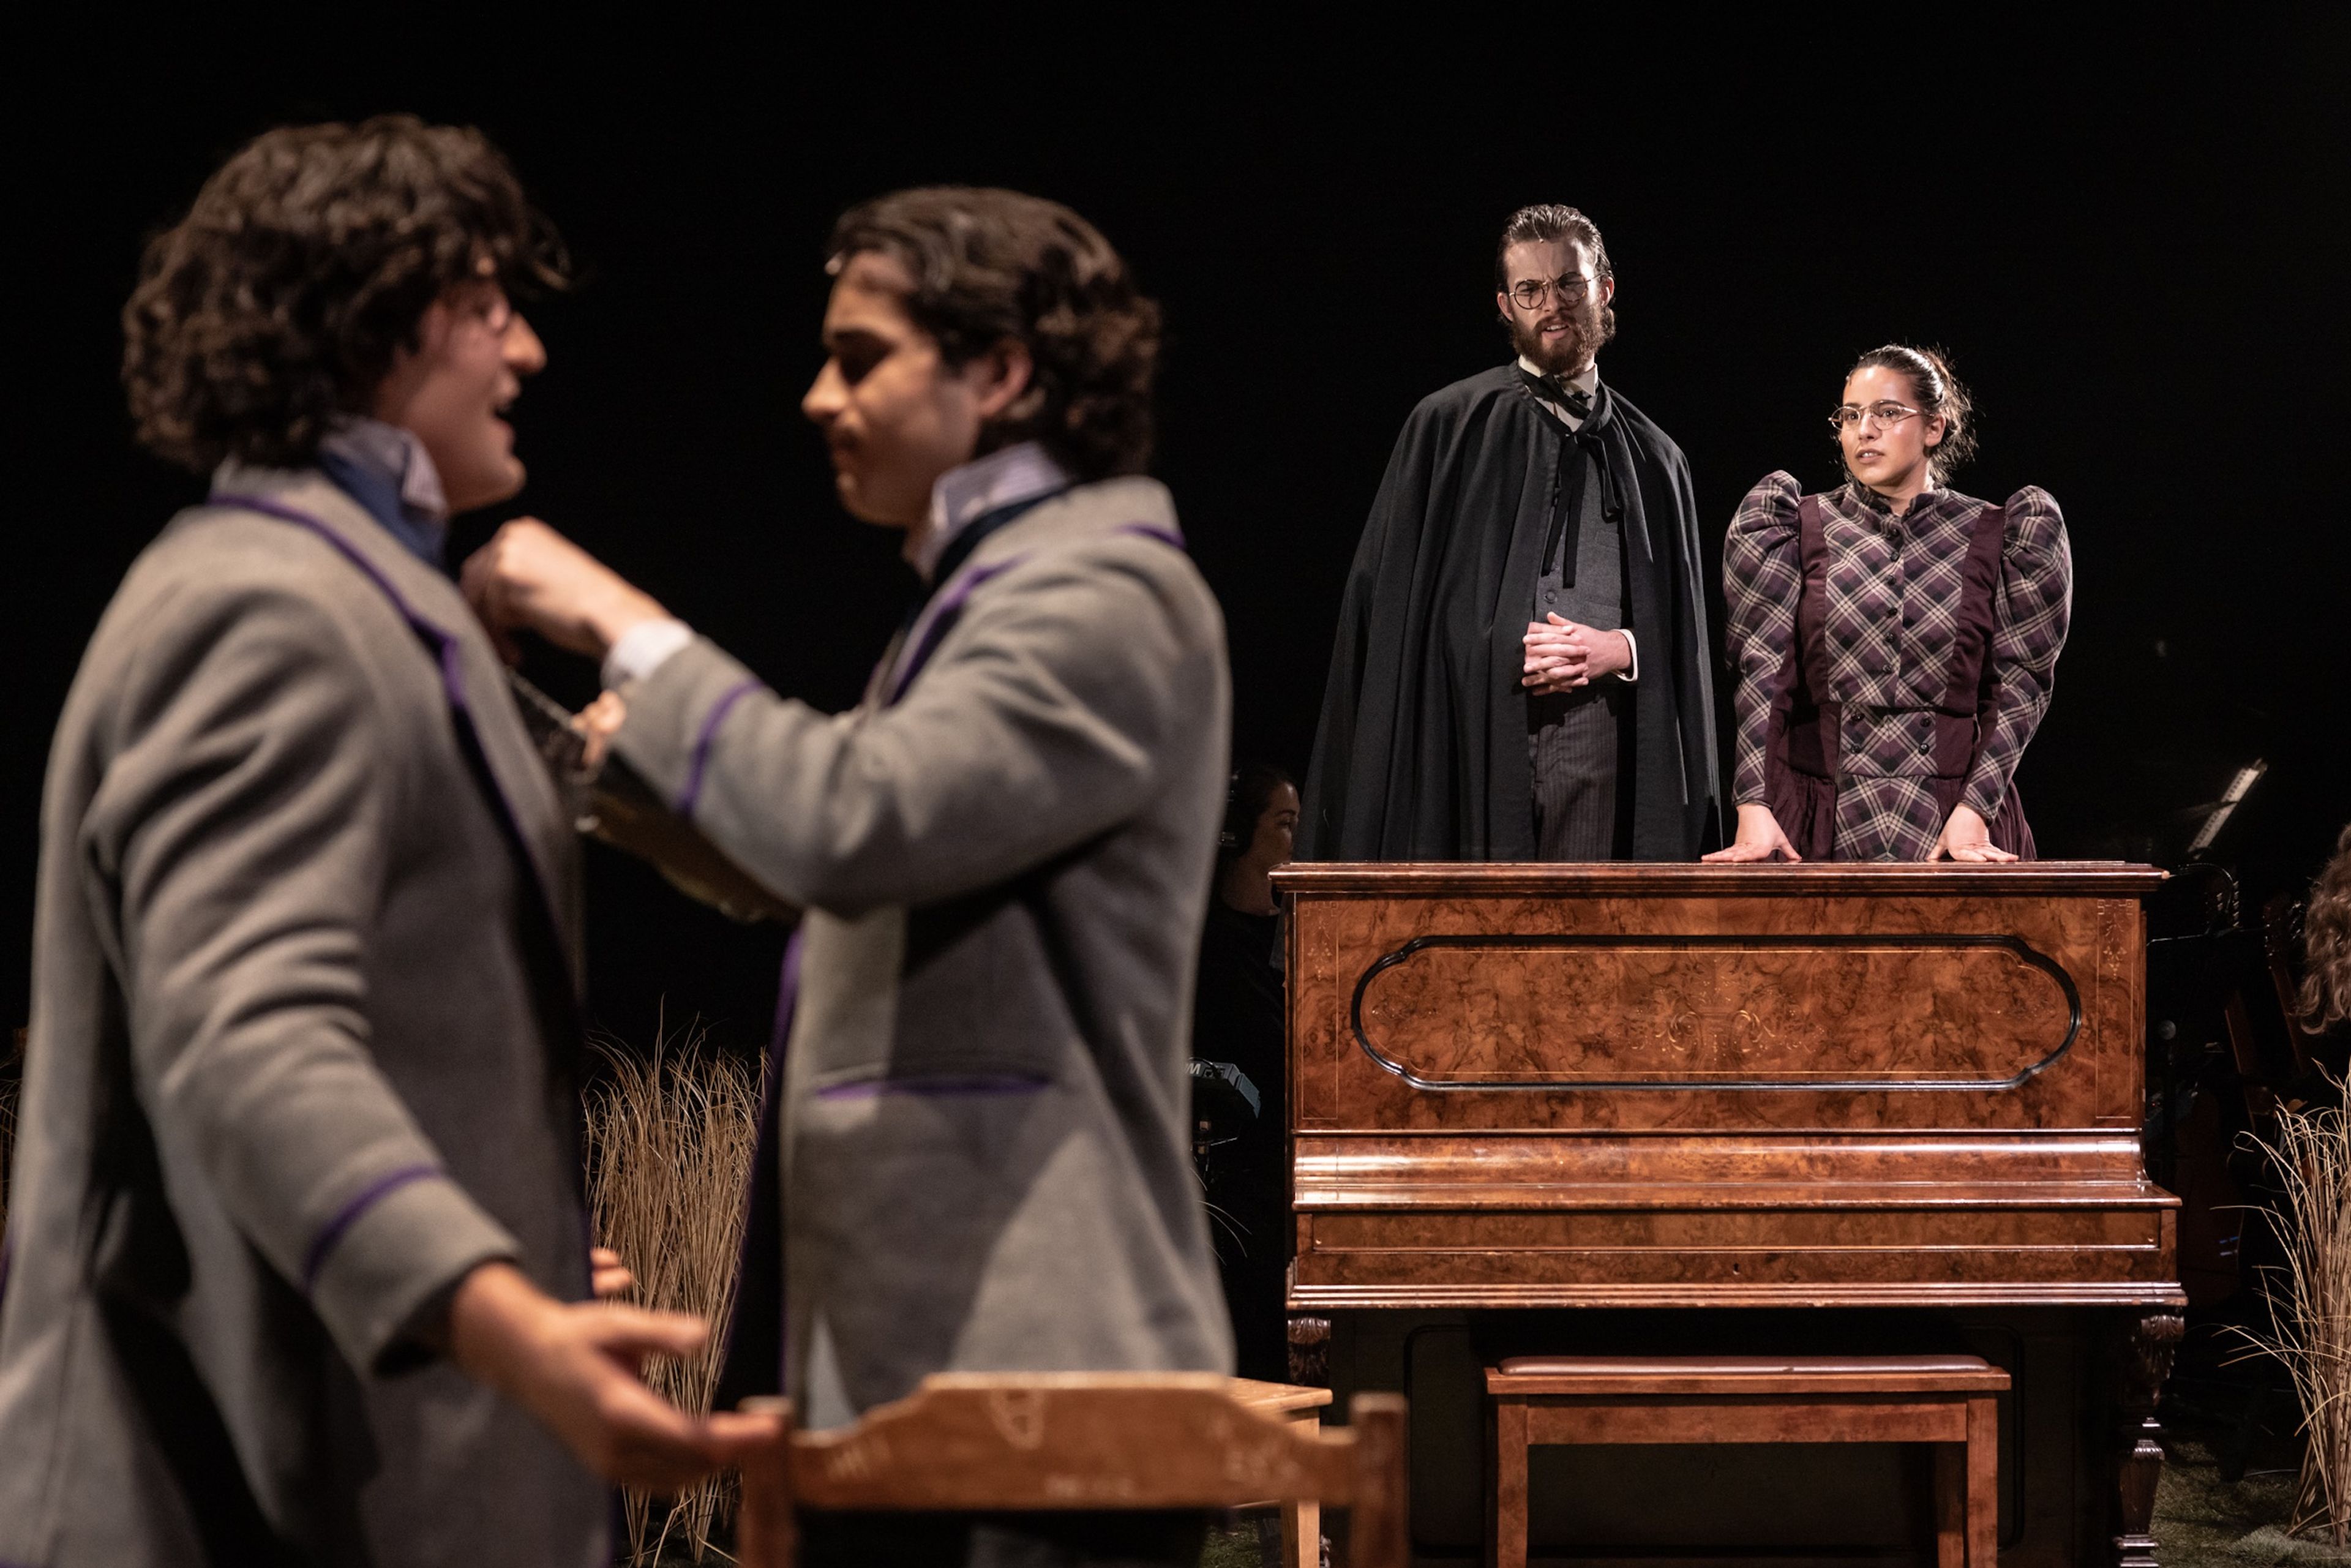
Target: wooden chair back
[[1023, 1442]]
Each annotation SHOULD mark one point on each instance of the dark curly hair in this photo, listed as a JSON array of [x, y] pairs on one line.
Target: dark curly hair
[[2325, 999], [990, 265], [1937, 392], [308, 261]]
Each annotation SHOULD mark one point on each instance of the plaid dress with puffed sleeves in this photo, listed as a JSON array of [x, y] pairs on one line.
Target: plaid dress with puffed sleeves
[[1890, 669]]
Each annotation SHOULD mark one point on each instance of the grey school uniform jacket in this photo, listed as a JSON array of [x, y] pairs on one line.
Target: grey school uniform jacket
[[1005, 854], [304, 1004]]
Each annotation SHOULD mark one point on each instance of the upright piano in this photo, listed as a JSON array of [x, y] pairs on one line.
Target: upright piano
[[1544, 1107]]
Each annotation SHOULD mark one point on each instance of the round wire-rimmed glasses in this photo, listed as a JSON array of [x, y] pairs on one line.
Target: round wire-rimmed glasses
[[1570, 287], [1884, 413]]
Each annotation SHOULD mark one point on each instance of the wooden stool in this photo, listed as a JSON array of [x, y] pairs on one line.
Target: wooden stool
[[1942, 1399], [1301, 1405]]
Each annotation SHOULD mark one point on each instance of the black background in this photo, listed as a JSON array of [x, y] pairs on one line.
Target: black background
[[2130, 234]]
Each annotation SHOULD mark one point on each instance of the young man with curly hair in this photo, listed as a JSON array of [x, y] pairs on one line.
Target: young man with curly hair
[[979, 1158], [297, 1257]]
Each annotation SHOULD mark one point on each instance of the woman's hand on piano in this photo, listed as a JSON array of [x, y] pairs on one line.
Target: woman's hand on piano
[[1760, 839], [1966, 837]]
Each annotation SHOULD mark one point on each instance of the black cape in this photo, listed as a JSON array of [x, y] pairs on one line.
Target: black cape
[[1422, 752]]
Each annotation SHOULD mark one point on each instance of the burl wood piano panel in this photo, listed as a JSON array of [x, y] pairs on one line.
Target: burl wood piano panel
[[1515, 1078]]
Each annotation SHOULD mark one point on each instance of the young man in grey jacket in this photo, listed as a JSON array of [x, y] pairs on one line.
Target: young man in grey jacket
[[980, 1155], [296, 1262]]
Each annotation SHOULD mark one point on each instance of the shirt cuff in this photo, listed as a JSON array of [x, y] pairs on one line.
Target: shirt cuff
[[643, 649], [1628, 675]]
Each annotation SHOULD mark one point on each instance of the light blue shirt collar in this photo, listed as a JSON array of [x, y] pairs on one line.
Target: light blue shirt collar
[[393, 453], [387, 470], [961, 495]]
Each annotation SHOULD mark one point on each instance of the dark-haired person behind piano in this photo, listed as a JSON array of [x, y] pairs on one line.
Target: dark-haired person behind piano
[[1894, 642]]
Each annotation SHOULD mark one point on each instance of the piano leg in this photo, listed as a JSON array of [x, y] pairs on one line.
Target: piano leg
[[1309, 1352], [2143, 1354]]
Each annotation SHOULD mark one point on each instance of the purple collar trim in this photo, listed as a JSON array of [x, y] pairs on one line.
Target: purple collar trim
[[938, 619], [444, 644], [940, 616], [447, 655]]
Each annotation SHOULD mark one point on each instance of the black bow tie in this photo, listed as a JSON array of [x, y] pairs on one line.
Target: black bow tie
[[1559, 391]]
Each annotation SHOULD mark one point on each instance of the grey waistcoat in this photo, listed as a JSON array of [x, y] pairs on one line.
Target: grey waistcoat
[[1573, 739], [1588, 586]]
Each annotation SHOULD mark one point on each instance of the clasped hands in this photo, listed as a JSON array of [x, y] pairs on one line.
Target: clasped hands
[[1966, 838], [1562, 655]]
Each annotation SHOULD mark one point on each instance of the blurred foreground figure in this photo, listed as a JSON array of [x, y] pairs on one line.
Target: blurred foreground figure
[[298, 1193], [1523, 670], [976, 1156], [1895, 641]]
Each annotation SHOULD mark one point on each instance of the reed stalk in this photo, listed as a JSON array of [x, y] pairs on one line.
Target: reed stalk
[[669, 1145], [2310, 1303]]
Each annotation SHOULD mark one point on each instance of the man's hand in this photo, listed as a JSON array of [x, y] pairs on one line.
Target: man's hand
[[598, 723], [530, 578], [1968, 837], [576, 1367], [1562, 655], [1759, 838], [607, 1275]]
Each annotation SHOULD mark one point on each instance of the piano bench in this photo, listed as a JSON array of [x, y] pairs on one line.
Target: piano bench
[[1947, 1400]]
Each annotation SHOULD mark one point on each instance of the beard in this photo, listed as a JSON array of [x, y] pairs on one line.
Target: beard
[[1589, 324]]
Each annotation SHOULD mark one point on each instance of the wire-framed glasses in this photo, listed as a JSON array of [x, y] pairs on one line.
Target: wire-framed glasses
[[1570, 287], [1884, 413], [487, 303]]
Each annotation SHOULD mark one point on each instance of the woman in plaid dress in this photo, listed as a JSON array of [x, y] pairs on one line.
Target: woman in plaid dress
[[1894, 641]]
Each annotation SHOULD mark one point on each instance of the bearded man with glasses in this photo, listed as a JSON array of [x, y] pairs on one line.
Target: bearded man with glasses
[[1522, 669]]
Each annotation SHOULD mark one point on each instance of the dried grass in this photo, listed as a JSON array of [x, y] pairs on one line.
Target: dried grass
[[2310, 1304], [670, 1140]]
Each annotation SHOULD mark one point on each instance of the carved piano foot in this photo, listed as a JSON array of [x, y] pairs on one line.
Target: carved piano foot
[[1309, 1352], [2143, 1354]]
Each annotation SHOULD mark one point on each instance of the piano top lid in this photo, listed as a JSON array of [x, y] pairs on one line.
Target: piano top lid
[[1620, 879]]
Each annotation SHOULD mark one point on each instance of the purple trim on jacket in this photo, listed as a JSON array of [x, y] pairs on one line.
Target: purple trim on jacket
[[368, 1197], [1153, 532], [688, 797], [447, 657], [938, 619], [445, 644]]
